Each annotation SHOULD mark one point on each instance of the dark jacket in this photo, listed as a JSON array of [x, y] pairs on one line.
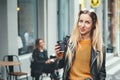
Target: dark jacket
[[38, 61], [96, 74]]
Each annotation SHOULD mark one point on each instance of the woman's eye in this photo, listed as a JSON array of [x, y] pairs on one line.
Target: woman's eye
[[80, 21], [87, 22]]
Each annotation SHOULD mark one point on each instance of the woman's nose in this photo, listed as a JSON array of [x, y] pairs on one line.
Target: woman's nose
[[82, 24]]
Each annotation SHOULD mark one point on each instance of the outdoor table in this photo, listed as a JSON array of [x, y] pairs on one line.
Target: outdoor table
[[9, 63]]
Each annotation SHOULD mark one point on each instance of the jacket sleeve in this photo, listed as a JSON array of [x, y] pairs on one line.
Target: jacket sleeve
[[46, 55], [61, 63], [102, 74]]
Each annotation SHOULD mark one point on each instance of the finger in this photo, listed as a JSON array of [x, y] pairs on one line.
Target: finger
[[57, 47], [57, 50]]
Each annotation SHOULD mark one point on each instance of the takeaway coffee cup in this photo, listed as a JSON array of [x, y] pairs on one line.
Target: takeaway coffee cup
[[62, 46], [62, 49]]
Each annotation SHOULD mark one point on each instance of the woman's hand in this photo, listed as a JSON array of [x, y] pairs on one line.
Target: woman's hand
[[59, 54], [48, 61]]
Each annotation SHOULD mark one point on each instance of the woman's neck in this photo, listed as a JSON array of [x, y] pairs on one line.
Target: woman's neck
[[41, 48], [87, 37]]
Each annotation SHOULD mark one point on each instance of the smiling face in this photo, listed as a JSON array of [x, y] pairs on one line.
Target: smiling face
[[85, 25]]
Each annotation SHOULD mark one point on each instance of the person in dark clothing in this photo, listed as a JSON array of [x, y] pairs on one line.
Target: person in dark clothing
[[85, 55], [40, 62]]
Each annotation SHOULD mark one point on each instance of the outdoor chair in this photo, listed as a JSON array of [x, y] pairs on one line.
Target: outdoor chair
[[14, 71]]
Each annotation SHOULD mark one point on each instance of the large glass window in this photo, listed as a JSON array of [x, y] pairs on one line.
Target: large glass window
[[27, 25]]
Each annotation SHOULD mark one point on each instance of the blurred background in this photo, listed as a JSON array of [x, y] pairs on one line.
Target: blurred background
[[23, 21]]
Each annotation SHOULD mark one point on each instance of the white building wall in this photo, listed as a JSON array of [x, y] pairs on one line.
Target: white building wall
[[99, 12], [12, 30], [52, 25], [74, 9]]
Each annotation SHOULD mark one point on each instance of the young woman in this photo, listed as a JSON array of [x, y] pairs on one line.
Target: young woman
[[41, 63], [85, 56]]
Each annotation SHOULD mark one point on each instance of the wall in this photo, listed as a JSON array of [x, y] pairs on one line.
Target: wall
[[12, 27], [3, 29], [74, 10], [52, 25], [99, 10], [8, 27], [41, 20]]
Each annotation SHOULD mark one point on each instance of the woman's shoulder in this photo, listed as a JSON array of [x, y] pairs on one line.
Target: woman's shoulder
[[35, 50]]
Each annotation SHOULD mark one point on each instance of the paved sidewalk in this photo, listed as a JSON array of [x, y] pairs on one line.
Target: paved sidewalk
[[112, 67]]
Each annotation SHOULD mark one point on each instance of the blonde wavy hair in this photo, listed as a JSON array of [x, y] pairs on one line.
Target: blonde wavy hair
[[96, 38]]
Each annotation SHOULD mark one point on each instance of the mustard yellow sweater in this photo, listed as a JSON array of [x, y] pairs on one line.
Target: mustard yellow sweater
[[81, 66]]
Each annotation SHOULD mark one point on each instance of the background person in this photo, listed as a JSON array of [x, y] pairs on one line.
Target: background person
[[85, 56], [40, 62], [28, 41]]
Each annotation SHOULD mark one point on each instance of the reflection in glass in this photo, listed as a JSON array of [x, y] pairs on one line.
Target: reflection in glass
[[27, 24]]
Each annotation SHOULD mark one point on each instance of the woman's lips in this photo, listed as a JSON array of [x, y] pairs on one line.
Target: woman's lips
[[82, 30]]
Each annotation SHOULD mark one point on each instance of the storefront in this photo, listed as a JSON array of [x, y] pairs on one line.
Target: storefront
[[23, 21]]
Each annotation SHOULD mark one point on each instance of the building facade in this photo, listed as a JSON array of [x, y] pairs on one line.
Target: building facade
[[23, 21]]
